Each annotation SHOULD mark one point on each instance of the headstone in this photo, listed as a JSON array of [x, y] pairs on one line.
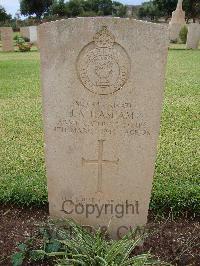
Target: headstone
[[177, 21], [129, 10], [33, 34], [38, 40], [103, 84], [193, 37], [7, 39], [25, 32]]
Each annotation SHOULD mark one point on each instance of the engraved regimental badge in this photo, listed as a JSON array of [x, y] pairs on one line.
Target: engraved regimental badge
[[103, 65]]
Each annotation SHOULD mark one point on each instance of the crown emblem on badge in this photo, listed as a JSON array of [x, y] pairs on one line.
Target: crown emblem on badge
[[103, 65], [104, 38]]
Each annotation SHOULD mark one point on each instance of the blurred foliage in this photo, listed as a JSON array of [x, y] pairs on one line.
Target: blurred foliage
[[155, 9], [149, 11], [183, 34], [75, 8], [49, 10], [3, 15], [37, 7]]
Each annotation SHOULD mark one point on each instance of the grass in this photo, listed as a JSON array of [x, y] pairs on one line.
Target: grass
[[22, 174], [176, 183]]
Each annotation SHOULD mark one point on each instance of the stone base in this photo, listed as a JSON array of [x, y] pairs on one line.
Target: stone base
[[193, 37]]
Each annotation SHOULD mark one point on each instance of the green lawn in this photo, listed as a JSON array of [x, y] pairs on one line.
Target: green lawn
[[22, 173]]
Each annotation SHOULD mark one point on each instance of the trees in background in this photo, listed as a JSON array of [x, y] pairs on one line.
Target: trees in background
[[192, 8], [37, 7], [58, 8], [166, 7], [155, 9], [118, 9], [149, 10], [72, 8], [53, 9], [3, 15], [75, 8], [35, 10]]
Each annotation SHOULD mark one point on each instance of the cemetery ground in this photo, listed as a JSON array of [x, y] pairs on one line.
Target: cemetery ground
[[174, 209]]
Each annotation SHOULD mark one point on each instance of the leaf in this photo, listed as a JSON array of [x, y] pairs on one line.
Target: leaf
[[53, 246], [17, 259], [22, 247], [37, 255]]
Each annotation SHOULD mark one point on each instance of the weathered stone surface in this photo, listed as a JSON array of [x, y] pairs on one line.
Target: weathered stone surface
[[25, 32], [177, 21], [7, 39], [193, 37], [33, 34], [102, 84]]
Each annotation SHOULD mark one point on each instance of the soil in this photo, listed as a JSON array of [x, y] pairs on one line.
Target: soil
[[176, 241]]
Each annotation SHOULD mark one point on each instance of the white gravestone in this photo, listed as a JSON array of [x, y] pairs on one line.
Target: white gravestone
[[7, 39], [24, 31], [102, 82], [177, 21], [33, 34], [193, 37]]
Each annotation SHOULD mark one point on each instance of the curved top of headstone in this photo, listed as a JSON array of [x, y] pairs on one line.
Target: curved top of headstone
[[100, 19], [139, 30]]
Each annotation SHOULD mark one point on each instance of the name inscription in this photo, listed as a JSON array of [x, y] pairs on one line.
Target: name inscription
[[105, 118]]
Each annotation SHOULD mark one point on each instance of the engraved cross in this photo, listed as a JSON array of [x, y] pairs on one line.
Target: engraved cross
[[100, 162]]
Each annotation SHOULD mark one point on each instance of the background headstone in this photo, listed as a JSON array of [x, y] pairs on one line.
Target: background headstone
[[33, 34], [38, 40], [177, 21], [193, 37], [7, 39], [25, 32], [103, 84]]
